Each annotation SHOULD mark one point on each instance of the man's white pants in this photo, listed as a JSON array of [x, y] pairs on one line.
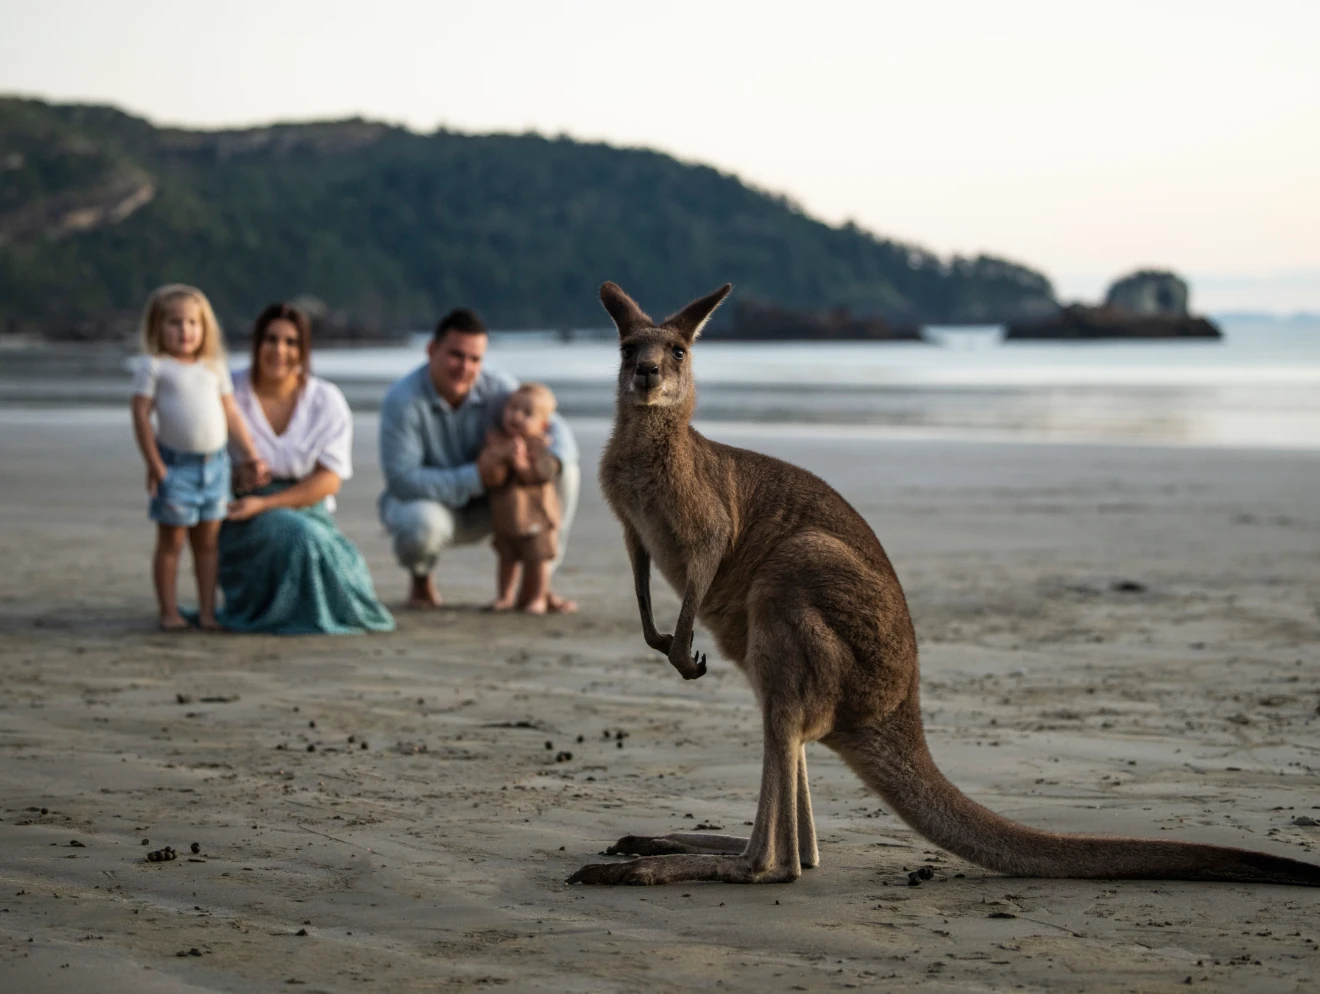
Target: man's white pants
[[423, 529]]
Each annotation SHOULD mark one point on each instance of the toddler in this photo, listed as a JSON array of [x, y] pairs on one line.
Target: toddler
[[523, 501], [182, 376]]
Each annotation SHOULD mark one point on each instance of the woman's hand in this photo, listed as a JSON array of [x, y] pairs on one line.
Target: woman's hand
[[247, 507], [251, 475]]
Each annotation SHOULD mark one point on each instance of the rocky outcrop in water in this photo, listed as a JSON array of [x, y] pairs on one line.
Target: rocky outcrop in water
[[1078, 321], [1149, 292], [1145, 304]]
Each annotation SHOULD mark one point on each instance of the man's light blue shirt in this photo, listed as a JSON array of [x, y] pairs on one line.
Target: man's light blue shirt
[[428, 449]]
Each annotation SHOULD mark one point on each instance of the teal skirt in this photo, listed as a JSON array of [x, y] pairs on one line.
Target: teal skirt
[[292, 572]]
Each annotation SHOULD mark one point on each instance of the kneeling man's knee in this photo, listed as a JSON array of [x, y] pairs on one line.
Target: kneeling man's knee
[[421, 529]]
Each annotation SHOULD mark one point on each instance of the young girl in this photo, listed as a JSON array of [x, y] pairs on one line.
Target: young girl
[[183, 377], [524, 504]]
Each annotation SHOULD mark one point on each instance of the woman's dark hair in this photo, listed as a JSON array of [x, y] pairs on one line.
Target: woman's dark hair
[[463, 320], [295, 317]]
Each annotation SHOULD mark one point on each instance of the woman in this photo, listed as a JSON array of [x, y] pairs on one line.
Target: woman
[[285, 568]]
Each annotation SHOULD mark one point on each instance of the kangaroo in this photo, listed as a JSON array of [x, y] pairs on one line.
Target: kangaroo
[[798, 593]]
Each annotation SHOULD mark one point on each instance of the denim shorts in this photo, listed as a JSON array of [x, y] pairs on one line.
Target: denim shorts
[[195, 488]]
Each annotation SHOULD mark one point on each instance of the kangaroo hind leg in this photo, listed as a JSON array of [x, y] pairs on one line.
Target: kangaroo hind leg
[[695, 843], [679, 843], [769, 856], [808, 852]]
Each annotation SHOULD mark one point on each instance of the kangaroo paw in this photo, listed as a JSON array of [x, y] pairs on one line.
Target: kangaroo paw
[[690, 669]]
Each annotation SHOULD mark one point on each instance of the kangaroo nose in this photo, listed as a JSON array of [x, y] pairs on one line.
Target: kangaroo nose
[[646, 375]]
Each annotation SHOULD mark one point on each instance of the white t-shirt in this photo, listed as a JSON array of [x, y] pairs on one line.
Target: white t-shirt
[[320, 432], [189, 415]]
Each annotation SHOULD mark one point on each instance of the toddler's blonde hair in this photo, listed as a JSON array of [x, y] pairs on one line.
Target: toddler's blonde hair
[[212, 350], [543, 400]]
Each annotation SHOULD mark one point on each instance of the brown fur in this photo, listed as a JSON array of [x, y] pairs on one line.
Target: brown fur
[[797, 592]]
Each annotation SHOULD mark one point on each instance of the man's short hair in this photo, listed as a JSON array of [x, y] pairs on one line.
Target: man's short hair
[[461, 319]]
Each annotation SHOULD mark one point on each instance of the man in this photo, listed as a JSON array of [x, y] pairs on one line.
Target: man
[[432, 426]]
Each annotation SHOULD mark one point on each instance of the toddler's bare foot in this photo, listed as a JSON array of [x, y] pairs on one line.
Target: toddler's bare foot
[[558, 605], [173, 623], [501, 604], [537, 605], [423, 595], [209, 624]]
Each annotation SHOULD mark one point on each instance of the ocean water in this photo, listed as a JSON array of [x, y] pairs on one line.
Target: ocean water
[[1259, 387]]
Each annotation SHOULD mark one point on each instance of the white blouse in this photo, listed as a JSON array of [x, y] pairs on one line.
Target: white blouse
[[320, 432]]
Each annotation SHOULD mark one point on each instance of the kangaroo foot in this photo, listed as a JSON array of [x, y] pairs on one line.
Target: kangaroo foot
[[666, 845], [678, 843], [649, 870]]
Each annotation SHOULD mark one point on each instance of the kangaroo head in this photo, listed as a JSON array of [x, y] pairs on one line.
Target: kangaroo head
[[656, 365]]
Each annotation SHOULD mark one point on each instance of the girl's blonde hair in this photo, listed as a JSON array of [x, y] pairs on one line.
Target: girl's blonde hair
[[212, 350]]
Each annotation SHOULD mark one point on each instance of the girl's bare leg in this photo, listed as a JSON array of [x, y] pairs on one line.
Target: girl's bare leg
[[533, 598], [165, 575], [506, 579], [205, 541]]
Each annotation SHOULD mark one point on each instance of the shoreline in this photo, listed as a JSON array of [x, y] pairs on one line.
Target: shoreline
[[1258, 389], [96, 414]]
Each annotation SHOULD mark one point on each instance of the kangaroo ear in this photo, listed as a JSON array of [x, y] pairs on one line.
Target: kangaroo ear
[[623, 309], [691, 319]]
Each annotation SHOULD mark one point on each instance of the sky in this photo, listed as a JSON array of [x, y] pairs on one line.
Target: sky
[[1082, 139]]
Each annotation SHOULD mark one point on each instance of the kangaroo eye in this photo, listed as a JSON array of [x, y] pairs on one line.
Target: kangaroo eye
[[629, 351], [678, 352]]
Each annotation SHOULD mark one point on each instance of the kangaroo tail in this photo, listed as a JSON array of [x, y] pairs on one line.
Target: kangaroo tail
[[892, 759]]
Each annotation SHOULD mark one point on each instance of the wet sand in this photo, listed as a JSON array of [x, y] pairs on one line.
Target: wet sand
[[1114, 639]]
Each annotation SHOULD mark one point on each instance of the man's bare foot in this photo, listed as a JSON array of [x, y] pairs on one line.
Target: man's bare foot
[[558, 605], [501, 604], [174, 623], [537, 605], [210, 624], [423, 595]]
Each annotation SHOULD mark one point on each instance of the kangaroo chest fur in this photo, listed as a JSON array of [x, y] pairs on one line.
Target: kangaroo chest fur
[[641, 492], [665, 495]]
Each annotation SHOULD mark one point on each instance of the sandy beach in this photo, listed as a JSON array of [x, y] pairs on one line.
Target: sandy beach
[[1114, 639]]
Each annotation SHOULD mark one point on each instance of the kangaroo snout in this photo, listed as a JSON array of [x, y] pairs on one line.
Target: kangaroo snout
[[646, 376]]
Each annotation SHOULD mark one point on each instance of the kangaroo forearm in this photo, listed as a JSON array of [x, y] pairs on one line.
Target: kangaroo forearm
[[687, 614], [642, 585], [700, 575], [649, 631]]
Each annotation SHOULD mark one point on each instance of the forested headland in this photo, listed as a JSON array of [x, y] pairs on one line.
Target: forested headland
[[389, 228]]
